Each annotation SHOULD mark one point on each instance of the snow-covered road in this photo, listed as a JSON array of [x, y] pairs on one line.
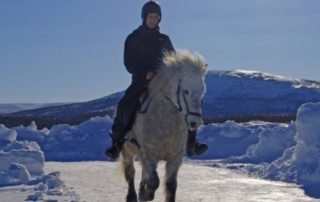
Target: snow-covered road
[[102, 182]]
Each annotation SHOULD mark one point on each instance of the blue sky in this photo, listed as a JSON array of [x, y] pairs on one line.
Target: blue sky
[[66, 51]]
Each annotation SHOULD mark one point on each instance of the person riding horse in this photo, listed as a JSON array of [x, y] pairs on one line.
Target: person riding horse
[[143, 52]]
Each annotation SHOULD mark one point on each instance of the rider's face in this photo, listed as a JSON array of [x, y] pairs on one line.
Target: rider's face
[[152, 20]]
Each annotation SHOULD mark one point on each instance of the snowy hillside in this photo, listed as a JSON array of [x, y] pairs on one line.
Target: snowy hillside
[[231, 95], [243, 95], [73, 113]]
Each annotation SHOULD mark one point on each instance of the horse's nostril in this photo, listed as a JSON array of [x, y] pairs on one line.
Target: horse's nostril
[[193, 124]]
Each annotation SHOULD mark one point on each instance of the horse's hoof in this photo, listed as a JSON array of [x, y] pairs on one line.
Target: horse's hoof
[[146, 195], [132, 198], [149, 197]]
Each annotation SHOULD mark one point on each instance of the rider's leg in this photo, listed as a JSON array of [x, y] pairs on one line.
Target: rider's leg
[[124, 118]]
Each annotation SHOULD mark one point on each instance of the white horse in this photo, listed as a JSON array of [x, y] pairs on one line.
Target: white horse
[[161, 128]]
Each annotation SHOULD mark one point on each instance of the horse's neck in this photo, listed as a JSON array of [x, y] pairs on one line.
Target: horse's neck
[[161, 80], [158, 91], [165, 109]]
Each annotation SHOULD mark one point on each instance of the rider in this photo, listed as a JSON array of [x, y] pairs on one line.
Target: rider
[[143, 52]]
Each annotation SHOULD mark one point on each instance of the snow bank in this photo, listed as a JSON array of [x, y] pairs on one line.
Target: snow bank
[[18, 159], [31, 133], [228, 139], [15, 174], [253, 142], [22, 162], [86, 141], [274, 139], [26, 153], [287, 152], [49, 188], [64, 142], [307, 151], [301, 162], [7, 135]]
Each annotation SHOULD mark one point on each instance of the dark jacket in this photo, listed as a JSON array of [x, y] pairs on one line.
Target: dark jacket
[[144, 49]]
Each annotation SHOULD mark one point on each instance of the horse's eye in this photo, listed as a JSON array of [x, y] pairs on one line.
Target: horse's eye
[[186, 92]]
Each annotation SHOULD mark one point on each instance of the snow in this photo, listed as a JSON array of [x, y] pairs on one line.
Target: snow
[[64, 142], [19, 159], [26, 153], [301, 163], [307, 150], [288, 152], [7, 135], [45, 188], [14, 175], [86, 141]]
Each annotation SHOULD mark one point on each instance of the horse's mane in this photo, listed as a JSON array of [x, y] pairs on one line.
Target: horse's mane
[[179, 64], [186, 62]]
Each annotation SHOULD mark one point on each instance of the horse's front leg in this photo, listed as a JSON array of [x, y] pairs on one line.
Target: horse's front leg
[[129, 172], [150, 180], [172, 168]]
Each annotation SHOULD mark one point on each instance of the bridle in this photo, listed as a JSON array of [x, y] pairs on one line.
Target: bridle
[[179, 108]]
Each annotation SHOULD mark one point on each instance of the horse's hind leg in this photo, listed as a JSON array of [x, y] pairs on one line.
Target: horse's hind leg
[[150, 180], [129, 172], [172, 168]]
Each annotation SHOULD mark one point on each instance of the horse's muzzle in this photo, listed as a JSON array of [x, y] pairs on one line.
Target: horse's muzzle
[[193, 121]]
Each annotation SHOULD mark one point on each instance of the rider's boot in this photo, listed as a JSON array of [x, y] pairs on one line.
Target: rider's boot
[[114, 151], [193, 146], [117, 134]]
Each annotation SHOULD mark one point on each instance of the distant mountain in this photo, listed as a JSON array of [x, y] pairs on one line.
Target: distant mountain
[[72, 113], [11, 108], [238, 95], [69, 111]]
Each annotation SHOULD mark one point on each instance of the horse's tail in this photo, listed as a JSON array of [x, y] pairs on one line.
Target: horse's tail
[[121, 166], [132, 147], [126, 166]]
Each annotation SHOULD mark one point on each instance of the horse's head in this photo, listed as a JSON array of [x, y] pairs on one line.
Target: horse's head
[[190, 96], [187, 85]]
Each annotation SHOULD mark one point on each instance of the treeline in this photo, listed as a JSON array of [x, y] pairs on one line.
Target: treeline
[[282, 118]]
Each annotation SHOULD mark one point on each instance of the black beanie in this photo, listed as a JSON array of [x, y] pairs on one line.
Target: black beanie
[[150, 7]]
